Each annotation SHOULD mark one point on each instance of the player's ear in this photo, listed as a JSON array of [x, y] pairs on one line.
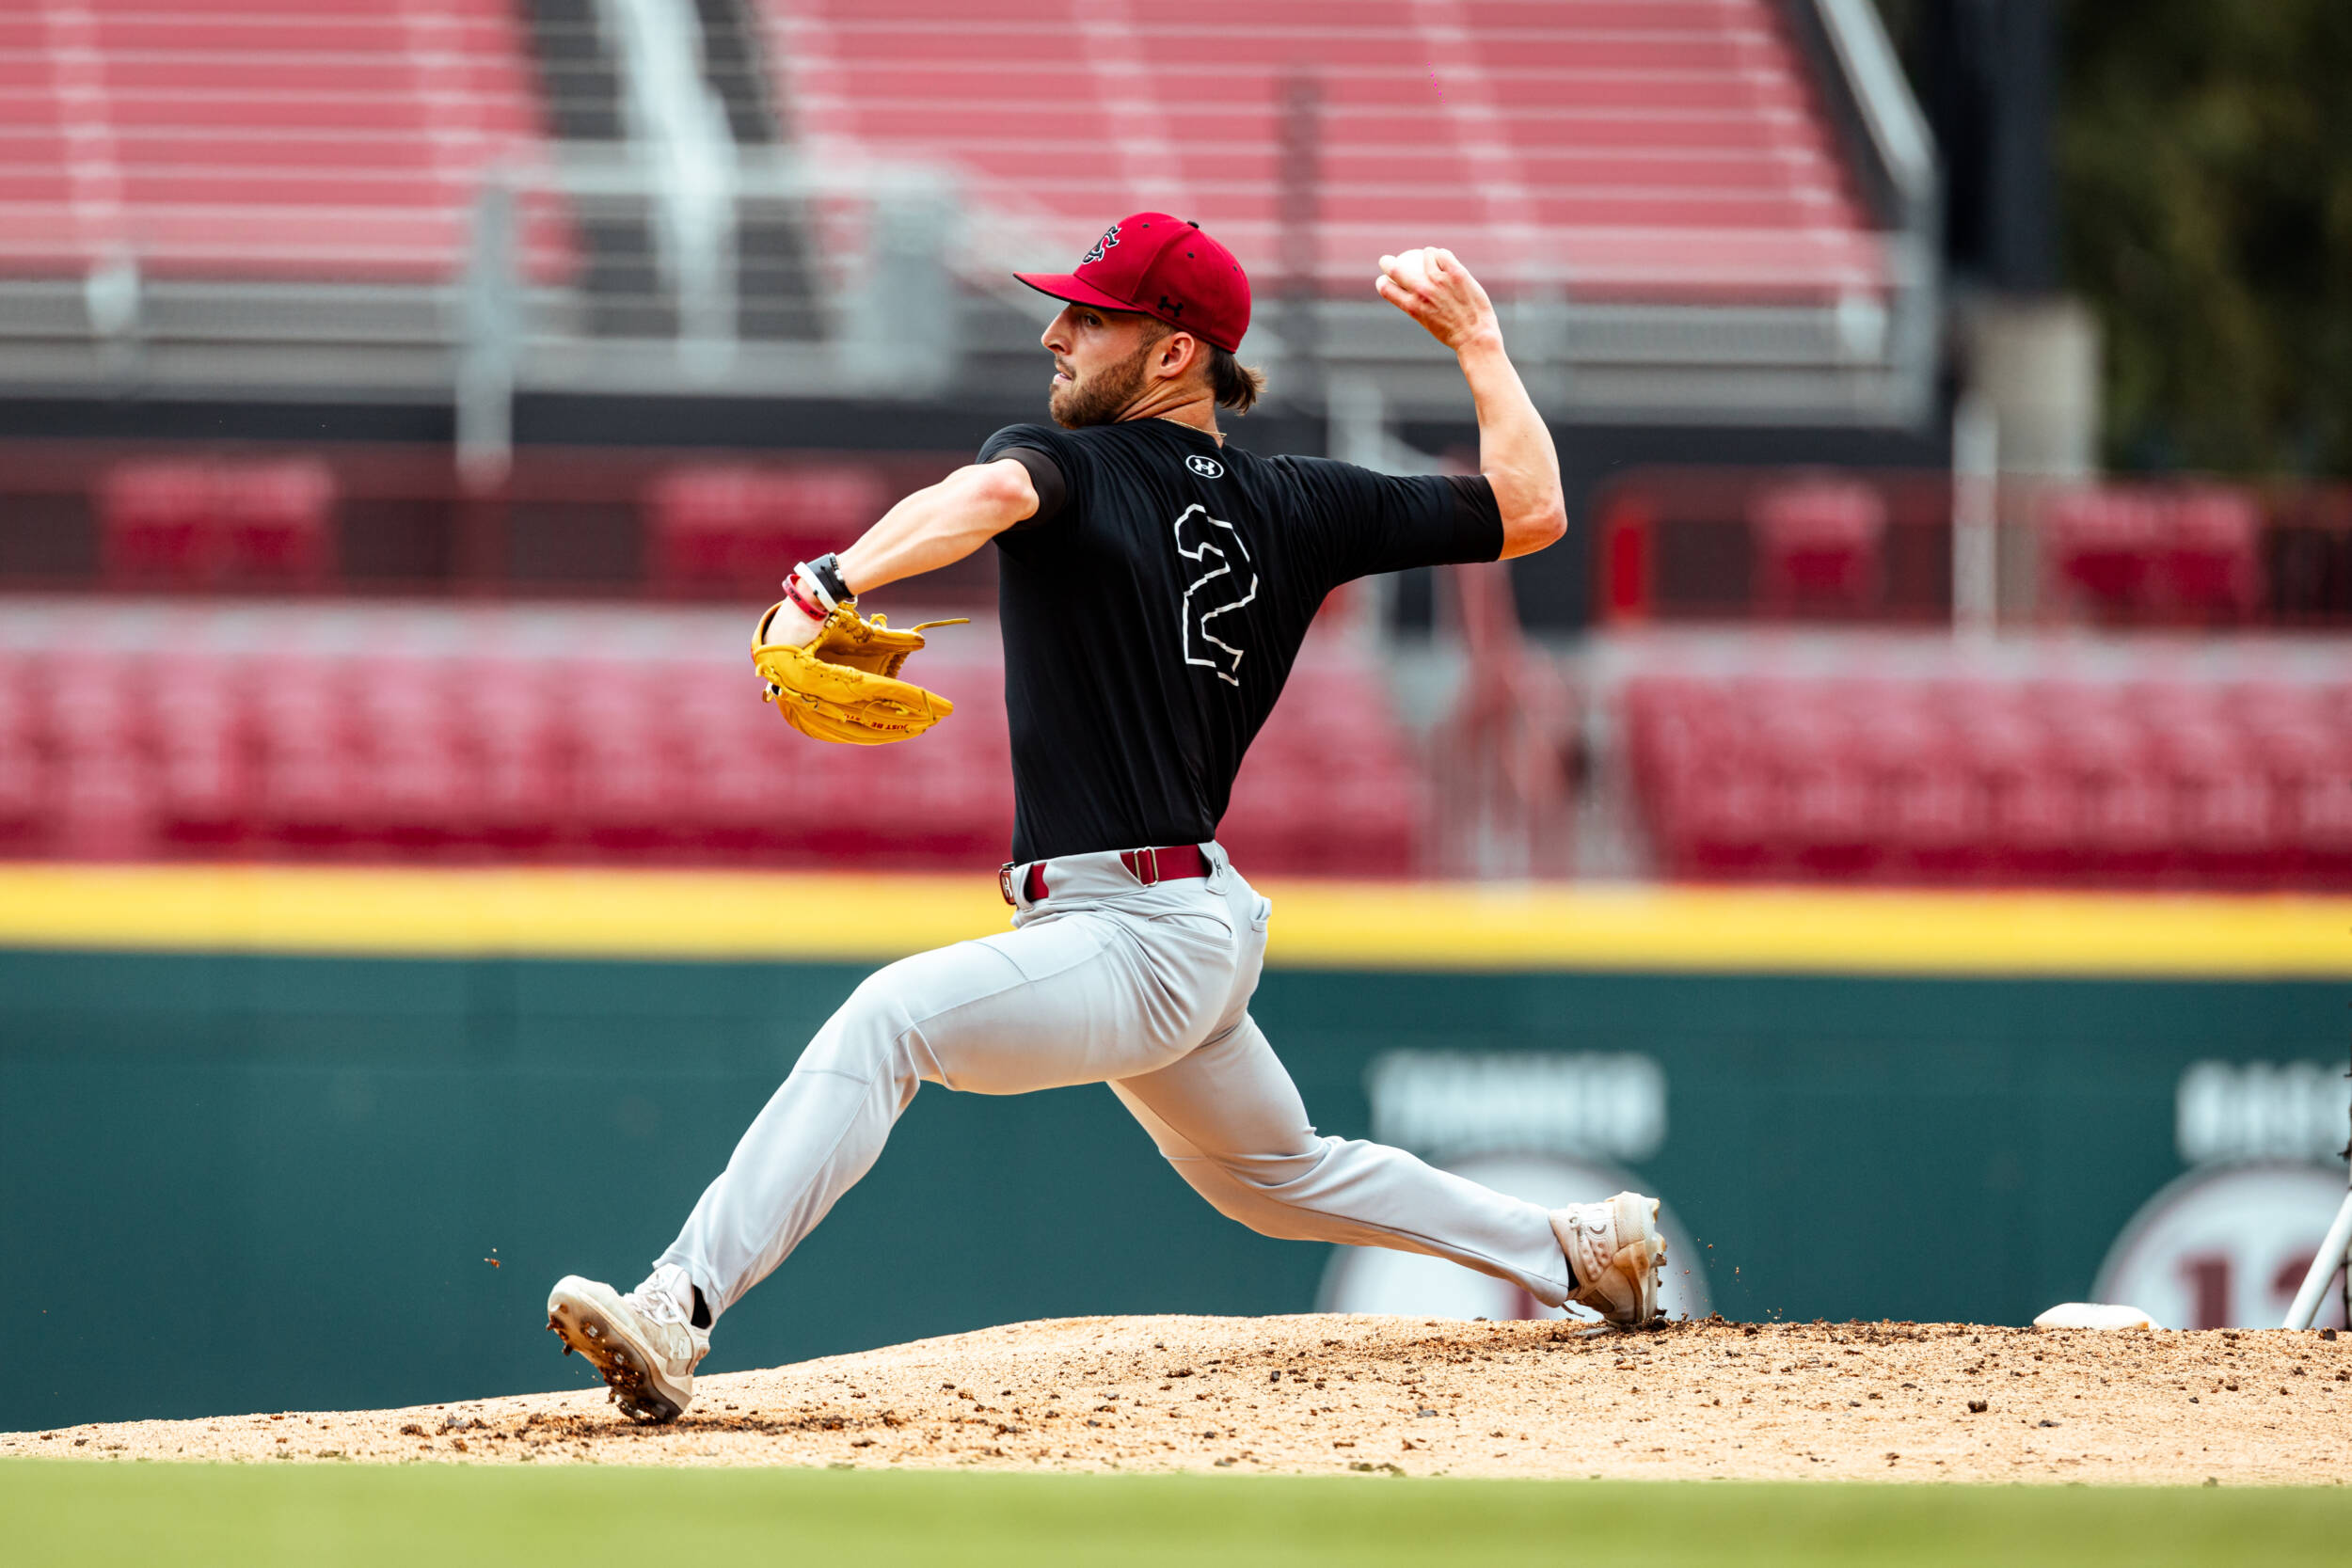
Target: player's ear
[[1178, 353]]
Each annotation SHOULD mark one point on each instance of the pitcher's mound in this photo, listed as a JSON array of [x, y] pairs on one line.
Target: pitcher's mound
[[1418, 1396]]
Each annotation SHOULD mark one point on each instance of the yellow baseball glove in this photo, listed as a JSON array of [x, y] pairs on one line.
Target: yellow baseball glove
[[844, 686]]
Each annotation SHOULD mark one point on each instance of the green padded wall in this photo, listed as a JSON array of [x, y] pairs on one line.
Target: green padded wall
[[245, 1183]]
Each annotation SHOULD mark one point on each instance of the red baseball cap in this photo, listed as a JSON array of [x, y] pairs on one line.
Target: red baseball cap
[[1163, 267]]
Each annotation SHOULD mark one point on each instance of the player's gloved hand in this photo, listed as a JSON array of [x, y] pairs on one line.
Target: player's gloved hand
[[794, 619], [785, 622], [842, 682]]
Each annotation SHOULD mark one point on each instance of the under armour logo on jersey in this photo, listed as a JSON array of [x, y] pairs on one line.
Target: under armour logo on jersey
[[1110, 238], [1207, 468], [1227, 581]]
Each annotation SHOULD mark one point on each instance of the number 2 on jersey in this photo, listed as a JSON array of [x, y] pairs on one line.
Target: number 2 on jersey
[[1225, 581]]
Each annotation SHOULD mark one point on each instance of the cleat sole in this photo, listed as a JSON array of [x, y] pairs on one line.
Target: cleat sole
[[584, 1329]]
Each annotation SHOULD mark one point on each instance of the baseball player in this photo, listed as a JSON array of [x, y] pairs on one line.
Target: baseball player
[[1155, 588]]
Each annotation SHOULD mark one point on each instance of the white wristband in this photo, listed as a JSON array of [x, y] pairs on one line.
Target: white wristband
[[811, 586]]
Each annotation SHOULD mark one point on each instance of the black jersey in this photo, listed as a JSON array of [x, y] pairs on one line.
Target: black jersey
[[1152, 610]]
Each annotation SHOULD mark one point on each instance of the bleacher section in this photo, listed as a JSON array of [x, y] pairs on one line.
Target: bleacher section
[[2156, 781], [313, 139], [1653, 149], [2152, 553], [137, 729], [1728, 544]]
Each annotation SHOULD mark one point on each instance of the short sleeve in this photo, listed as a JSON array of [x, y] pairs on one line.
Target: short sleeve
[[1373, 522], [1051, 460]]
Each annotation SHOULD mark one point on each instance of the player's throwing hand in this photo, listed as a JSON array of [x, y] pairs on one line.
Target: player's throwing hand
[[1436, 290]]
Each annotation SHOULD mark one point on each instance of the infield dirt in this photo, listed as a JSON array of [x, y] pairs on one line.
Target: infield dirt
[[1904, 1401]]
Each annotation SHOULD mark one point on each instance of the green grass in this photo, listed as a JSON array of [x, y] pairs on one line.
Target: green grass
[[447, 1516]]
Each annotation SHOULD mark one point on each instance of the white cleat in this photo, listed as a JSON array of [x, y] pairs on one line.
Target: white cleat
[[642, 1344], [1614, 1249]]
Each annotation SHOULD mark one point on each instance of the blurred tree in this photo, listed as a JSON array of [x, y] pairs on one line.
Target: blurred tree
[[2204, 208]]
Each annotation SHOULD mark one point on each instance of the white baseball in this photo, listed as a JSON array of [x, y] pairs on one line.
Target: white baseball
[[1411, 267]]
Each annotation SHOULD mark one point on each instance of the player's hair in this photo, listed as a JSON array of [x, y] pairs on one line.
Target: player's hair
[[1237, 385]]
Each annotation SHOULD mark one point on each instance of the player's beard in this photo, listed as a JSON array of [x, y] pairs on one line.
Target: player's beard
[[1099, 397]]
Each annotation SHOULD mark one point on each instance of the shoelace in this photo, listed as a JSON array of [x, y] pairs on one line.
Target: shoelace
[[657, 1306]]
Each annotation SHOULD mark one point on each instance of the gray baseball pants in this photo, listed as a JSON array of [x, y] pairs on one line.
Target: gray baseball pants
[[1102, 981]]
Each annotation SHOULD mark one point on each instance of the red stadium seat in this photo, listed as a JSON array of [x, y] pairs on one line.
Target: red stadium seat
[[2211, 569], [420, 784], [2102, 546], [250, 140], [629, 791], [312, 773], [1938, 809], [1819, 546], [1824, 804], [98, 743], [2225, 818], [1652, 152], [206, 767], [505, 714], [487, 736], [737, 529], [2179, 784], [2123, 822], [24, 796], [2126, 553], [208, 524]]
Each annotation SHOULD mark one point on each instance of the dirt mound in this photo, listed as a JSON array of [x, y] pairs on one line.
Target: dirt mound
[[1909, 1401]]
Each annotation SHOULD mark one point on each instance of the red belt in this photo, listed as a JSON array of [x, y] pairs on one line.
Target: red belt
[[1149, 866]]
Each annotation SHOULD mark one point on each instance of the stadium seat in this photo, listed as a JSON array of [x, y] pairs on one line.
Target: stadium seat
[[418, 791], [1937, 808], [2225, 819], [505, 712], [629, 796], [2211, 569], [431, 735], [1653, 151], [1819, 546], [98, 752], [2148, 554], [311, 773], [2161, 784], [213, 524], [734, 528], [325, 139], [24, 771], [206, 767]]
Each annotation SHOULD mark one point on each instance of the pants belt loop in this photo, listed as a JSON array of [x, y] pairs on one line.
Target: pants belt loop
[[1032, 884]]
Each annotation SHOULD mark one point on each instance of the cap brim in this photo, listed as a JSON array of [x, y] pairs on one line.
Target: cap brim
[[1073, 289]]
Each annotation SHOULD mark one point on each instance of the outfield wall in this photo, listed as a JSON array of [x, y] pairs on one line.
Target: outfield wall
[[275, 1178]]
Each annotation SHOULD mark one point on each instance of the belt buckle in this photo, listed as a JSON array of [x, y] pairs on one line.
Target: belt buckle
[[1003, 883], [1154, 878]]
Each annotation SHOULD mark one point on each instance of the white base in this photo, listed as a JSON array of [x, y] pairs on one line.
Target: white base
[[2093, 1314]]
